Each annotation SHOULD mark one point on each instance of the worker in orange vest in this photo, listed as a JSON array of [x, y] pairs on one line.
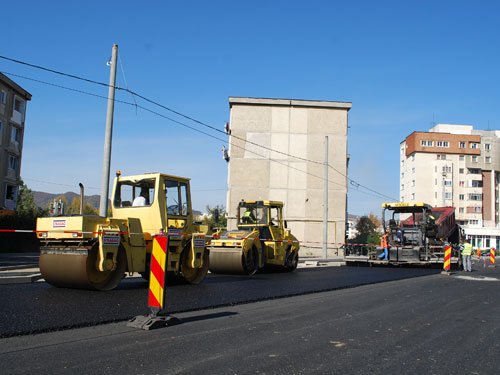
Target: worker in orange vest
[[384, 244]]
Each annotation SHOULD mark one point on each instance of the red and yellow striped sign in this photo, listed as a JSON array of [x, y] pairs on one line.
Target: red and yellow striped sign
[[492, 256], [157, 274], [447, 258]]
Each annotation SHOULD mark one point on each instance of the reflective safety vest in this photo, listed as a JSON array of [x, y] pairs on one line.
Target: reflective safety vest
[[249, 215], [467, 249], [383, 241]]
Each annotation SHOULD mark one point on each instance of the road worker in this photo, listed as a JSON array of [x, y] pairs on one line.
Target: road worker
[[384, 244], [248, 216], [466, 255]]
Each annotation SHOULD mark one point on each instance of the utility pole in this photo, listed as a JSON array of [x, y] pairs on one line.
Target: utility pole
[[106, 160], [325, 204]]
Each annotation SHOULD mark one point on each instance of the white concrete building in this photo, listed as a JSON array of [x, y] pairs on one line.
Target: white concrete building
[[294, 175], [455, 165]]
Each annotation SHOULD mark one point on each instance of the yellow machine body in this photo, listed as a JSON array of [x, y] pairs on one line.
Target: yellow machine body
[[95, 252], [261, 241]]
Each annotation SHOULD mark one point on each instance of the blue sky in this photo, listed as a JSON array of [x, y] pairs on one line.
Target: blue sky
[[402, 64]]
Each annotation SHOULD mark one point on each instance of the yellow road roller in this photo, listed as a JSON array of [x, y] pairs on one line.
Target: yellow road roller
[[261, 241], [93, 252]]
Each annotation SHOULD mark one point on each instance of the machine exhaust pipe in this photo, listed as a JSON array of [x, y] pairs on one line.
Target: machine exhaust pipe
[[82, 190]]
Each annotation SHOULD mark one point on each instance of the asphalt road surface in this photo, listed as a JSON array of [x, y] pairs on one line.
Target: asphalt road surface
[[425, 325], [39, 307], [434, 324]]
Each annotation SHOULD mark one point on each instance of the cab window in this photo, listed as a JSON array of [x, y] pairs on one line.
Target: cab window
[[135, 193], [172, 197]]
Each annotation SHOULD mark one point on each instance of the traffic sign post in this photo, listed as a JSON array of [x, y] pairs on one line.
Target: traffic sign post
[[492, 257], [156, 296], [447, 260]]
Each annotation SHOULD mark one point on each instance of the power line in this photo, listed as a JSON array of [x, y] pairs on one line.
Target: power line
[[133, 93], [357, 184], [178, 122]]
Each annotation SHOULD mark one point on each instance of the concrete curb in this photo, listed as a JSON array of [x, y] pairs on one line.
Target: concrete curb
[[19, 277]]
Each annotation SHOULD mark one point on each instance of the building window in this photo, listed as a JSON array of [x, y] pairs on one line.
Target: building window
[[435, 195], [427, 143], [13, 162], [1, 132], [18, 105], [476, 183], [473, 222], [447, 196], [446, 169], [475, 197], [413, 170], [461, 157], [435, 181], [413, 157], [402, 186], [487, 146], [402, 150], [487, 159], [448, 183], [461, 197], [473, 158], [15, 136], [3, 97], [461, 184], [461, 170], [402, 175], [461, 144], [412, 196], [473, 145], [441, 157], [474, 171], [443, 144], [461, 210], [402, 163], [10, 192], [412, 182]]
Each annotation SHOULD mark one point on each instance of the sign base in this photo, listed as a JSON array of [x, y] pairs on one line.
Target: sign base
[[150, 322]]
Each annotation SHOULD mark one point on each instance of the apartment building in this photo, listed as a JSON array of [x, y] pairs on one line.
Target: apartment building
[[13, 99], [456, 165], [287, 128]]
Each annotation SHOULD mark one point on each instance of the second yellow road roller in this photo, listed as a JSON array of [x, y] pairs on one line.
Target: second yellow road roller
[[261, 242]]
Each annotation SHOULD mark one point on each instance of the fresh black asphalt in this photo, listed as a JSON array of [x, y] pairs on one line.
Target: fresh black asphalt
[[39, 307]]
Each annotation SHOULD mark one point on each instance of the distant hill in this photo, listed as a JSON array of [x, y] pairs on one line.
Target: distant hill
[[43, 199]]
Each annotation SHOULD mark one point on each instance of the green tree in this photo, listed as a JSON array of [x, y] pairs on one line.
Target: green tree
[[213, 212], [26, 206], [74, 208], [366, 231]]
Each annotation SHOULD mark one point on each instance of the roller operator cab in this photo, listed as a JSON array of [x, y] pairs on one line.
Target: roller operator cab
[[94, 252], [261, 241]]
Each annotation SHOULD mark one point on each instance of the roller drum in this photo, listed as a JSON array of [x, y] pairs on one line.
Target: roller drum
[[76, 268], [227, 260]]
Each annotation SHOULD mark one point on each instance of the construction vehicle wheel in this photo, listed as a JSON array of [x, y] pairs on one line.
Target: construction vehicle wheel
[[79, 270], [291, 260], [147, 270], [194, 275], [251, 261]]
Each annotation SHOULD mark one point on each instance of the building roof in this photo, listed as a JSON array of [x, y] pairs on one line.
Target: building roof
[[289, 102], [7, 81]]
